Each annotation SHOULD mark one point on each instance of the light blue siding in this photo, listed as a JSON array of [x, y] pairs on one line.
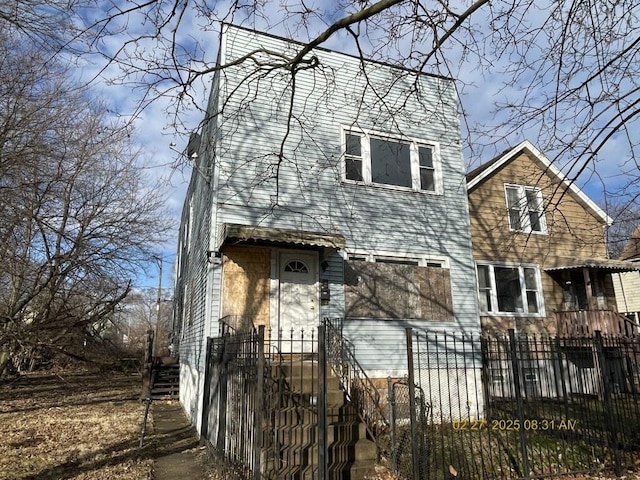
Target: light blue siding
[[277, 163]]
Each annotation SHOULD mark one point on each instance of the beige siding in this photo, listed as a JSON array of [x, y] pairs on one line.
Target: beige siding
[[573, 232], [627, 287]]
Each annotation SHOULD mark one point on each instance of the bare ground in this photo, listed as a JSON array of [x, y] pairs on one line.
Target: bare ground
[[72, 426], [81, 426], [85, 426]]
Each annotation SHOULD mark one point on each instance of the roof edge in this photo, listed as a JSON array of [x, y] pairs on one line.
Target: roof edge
[[527, 146], [225, 24]]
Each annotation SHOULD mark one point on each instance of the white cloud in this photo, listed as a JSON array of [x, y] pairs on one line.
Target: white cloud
[[199, 34]]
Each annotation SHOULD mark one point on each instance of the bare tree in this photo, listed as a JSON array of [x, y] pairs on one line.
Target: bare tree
[[560, 73], [626, 220], [79, 220], [144, 310]]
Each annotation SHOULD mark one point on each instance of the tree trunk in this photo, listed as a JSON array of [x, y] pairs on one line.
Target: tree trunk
[[5, 357]]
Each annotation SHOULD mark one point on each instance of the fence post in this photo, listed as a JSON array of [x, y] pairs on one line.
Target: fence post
[[412, 405], [392, 421], [258, 406], [607, 402], [222, 400], [560, 373], [519, 406], [485, 376], [206, 399], [322, 403]]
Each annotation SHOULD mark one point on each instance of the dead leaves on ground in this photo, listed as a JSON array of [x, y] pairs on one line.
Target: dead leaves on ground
[[74, 427]]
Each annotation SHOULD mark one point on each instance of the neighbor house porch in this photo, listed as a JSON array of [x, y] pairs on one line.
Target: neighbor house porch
[[588, 303]]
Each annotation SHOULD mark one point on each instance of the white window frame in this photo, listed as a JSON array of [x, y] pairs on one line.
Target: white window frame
[[414, 152], [523, 207], [380, 256], [493, 291]]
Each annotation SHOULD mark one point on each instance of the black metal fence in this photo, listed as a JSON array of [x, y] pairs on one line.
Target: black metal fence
[[515, 407], [261, 403], [471, 407]]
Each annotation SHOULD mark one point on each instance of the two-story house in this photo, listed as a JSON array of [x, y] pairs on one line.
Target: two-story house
[[540, 250], [323, 187]]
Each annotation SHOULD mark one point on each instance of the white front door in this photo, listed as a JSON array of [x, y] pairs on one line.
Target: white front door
[[298, 296]]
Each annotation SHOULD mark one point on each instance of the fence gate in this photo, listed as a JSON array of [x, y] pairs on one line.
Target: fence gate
[[275, 409]]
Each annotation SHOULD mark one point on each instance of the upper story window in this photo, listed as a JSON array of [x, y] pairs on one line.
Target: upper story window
[[509, 288], [526, 212], [376, 158]]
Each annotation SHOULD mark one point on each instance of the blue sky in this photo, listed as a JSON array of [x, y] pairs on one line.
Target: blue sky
[[479, 89]]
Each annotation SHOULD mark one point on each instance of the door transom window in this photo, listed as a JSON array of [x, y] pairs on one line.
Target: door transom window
[[296, 266]]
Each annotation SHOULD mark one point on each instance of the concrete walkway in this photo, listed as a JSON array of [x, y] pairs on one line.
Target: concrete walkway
[[178, 456]]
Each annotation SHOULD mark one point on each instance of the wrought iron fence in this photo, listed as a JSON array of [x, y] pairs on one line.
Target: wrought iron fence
[[361, 392], [471, 407], [409, 447], [516, 407], [233, 396], [260, 410]]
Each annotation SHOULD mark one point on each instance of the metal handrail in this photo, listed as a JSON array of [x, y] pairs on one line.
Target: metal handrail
[[357, 386]]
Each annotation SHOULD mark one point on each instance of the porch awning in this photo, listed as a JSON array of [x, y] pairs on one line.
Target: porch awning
[[234, 233], [604, 265]]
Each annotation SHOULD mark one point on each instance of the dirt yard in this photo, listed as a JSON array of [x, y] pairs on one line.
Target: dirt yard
[[80, 426], [87, 426]]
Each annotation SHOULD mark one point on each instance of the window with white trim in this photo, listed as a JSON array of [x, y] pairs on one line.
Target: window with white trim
[[508, 288], [379, 159], [525, 209]]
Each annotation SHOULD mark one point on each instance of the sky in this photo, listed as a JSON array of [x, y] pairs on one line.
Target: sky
[[162, 146]]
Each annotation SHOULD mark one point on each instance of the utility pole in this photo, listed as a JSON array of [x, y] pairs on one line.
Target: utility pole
[[158, 300]]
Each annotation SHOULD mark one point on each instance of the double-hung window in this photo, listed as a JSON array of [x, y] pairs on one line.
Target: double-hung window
[[525, 209], [379, 159], [507, 288]]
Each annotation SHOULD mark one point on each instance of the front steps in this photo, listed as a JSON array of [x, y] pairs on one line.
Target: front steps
[[291, 438], [165, 384], [161, 380]]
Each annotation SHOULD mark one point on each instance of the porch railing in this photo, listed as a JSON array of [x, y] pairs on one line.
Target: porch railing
[[584, 323], [358, 387]]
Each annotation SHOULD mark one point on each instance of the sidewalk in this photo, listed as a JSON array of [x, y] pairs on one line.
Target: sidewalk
[[179, 455]]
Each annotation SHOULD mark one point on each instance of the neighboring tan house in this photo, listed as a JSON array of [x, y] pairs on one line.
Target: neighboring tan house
[[337, 204], [627, 284], [540, 250]]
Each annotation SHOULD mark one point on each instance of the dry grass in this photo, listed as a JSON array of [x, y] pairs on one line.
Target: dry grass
[[83, 426], [74, 426]]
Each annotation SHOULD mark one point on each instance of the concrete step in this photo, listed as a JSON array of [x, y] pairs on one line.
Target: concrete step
[[352, 462], [294, 416], [361, 451], [338, 435], [291, 441], [295, 456], [306, 383], [298, 437], [360, 471], [335, 398], [348, 432], [309, 472]]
